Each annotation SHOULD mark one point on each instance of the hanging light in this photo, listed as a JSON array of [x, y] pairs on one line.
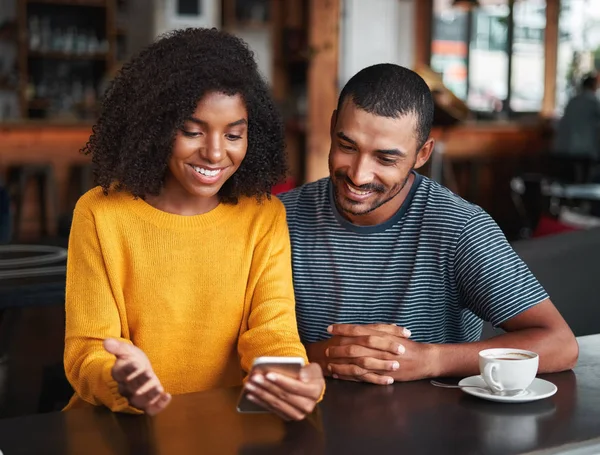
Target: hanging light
[[466, 4]]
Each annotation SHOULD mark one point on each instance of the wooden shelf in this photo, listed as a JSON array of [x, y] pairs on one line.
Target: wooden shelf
[[293, 59], [101, 16], [94, 3], [296, 125], [8, 31], [57, 55], [248, 26], [7, 87], [38, 104]]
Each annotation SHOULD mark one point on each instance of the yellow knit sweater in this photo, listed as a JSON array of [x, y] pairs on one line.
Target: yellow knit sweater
[[201, 295]]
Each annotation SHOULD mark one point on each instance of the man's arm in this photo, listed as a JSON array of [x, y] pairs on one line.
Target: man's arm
[[495, 284], [353, 355], [540, 329]]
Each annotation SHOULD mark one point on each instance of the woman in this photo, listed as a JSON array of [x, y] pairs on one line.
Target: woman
[[179, 262]]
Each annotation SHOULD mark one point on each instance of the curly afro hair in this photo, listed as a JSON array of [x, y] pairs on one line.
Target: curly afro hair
[[152, 96]]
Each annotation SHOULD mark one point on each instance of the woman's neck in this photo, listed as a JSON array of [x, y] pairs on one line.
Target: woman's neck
[[176, 200]]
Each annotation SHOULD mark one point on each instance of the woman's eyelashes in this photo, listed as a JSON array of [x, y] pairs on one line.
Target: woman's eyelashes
[[229, 136], [191, 133]]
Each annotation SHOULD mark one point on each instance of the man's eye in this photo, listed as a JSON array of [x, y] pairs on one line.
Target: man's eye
[[346, 147], [233, 137]]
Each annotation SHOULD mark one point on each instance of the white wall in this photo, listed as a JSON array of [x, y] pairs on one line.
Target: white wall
[[262, 46], [161, 19], [165, 18], [140, 32], [375, 31]]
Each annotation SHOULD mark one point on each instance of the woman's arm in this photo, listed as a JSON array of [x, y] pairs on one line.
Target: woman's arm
[[273, 331], [91, 317]]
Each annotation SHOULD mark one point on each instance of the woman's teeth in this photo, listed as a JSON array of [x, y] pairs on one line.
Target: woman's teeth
[[207, 172]]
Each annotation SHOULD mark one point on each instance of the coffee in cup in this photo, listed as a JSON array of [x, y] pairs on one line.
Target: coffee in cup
[[508, 371]]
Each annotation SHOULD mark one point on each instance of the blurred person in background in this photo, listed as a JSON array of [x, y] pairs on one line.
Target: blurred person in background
[[576, 145]]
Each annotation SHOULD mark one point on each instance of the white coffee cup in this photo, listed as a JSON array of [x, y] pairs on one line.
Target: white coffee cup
[[508, 371]]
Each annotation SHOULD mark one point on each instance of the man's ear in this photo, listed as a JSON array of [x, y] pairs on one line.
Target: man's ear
[[333, 122], [425, 152]]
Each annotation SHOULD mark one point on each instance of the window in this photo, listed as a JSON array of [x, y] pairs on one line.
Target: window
[[449, 46], [578, 47], [488, 57], [188, 7], [527, 75], [492, 57]]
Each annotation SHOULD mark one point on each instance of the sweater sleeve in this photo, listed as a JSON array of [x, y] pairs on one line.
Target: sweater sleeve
[[271, 328], [91, 316]]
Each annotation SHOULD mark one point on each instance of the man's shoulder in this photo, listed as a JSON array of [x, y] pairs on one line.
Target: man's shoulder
[[309, 195], [440, 202]]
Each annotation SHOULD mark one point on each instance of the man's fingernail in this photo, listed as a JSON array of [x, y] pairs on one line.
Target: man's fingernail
[[251, 397], [250, 387], [395, 366], [272, 377], [258, 379], [390, 381], [335, 376], [330, 329], [329, 367], [407, 333], [327, 352], [401, 349]]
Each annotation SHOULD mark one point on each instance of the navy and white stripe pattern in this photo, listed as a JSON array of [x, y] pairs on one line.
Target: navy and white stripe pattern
[[439, 267]]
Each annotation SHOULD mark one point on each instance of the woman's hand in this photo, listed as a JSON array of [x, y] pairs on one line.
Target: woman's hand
[[289, 398], [137, 381]]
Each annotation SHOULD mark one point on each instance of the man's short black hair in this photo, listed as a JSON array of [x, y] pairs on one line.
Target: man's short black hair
[[389, 90], [158, 90]]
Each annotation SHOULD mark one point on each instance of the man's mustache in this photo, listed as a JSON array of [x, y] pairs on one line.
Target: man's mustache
[[366, 187]]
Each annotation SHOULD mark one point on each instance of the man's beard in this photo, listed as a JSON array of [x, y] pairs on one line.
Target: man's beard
[[376, 188]]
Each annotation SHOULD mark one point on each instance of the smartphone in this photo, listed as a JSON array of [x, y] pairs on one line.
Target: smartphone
[[288, 366]]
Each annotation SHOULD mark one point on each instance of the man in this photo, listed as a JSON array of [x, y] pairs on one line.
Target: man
[[578, 133], [394, 273]]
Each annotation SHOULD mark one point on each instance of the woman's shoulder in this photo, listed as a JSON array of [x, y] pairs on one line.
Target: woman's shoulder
[[266, 207], [96, 201], [266, 211]]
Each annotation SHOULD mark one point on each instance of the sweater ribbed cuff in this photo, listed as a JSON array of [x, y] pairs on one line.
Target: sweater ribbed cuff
[[118, 403]]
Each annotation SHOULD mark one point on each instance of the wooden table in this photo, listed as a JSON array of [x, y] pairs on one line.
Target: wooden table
[[410, 418]]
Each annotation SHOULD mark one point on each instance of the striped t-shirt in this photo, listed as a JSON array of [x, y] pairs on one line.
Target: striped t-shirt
[[438, 267]]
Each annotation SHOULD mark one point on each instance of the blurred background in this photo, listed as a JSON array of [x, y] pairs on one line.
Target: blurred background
[[502, 73]]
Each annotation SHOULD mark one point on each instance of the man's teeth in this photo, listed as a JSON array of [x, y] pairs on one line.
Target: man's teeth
[[360, 193], [207, 172]]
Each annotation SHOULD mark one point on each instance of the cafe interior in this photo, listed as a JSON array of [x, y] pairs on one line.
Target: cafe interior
[[501, 72]]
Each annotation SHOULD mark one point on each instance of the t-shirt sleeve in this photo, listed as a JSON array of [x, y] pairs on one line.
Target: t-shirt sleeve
[[493, 281]]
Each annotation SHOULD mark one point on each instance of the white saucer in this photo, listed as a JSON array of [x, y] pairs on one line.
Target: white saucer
[[538, 390]]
